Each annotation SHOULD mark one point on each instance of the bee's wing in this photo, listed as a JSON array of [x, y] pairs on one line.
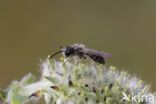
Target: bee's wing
[[98, 53]]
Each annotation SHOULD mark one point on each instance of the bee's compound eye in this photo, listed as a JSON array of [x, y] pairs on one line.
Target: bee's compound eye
[[69, 51]]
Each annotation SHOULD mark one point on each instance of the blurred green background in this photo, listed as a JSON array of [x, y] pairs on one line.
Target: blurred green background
[[32, 29]]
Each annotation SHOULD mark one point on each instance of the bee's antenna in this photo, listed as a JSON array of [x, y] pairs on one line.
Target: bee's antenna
[[54, 54]]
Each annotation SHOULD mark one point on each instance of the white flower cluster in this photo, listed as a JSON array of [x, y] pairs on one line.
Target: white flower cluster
[[66, 82]]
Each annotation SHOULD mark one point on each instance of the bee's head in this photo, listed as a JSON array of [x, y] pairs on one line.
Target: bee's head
[[68, 51]]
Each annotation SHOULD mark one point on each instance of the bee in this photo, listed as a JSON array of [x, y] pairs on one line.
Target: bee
[[82, 51]]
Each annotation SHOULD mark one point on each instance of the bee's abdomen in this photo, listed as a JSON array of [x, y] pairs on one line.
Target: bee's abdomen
[[98, 59]]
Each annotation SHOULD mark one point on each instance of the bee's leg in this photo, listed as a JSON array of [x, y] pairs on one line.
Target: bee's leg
[[80, 56], [72, 59], [76, 59], [90, 60]]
